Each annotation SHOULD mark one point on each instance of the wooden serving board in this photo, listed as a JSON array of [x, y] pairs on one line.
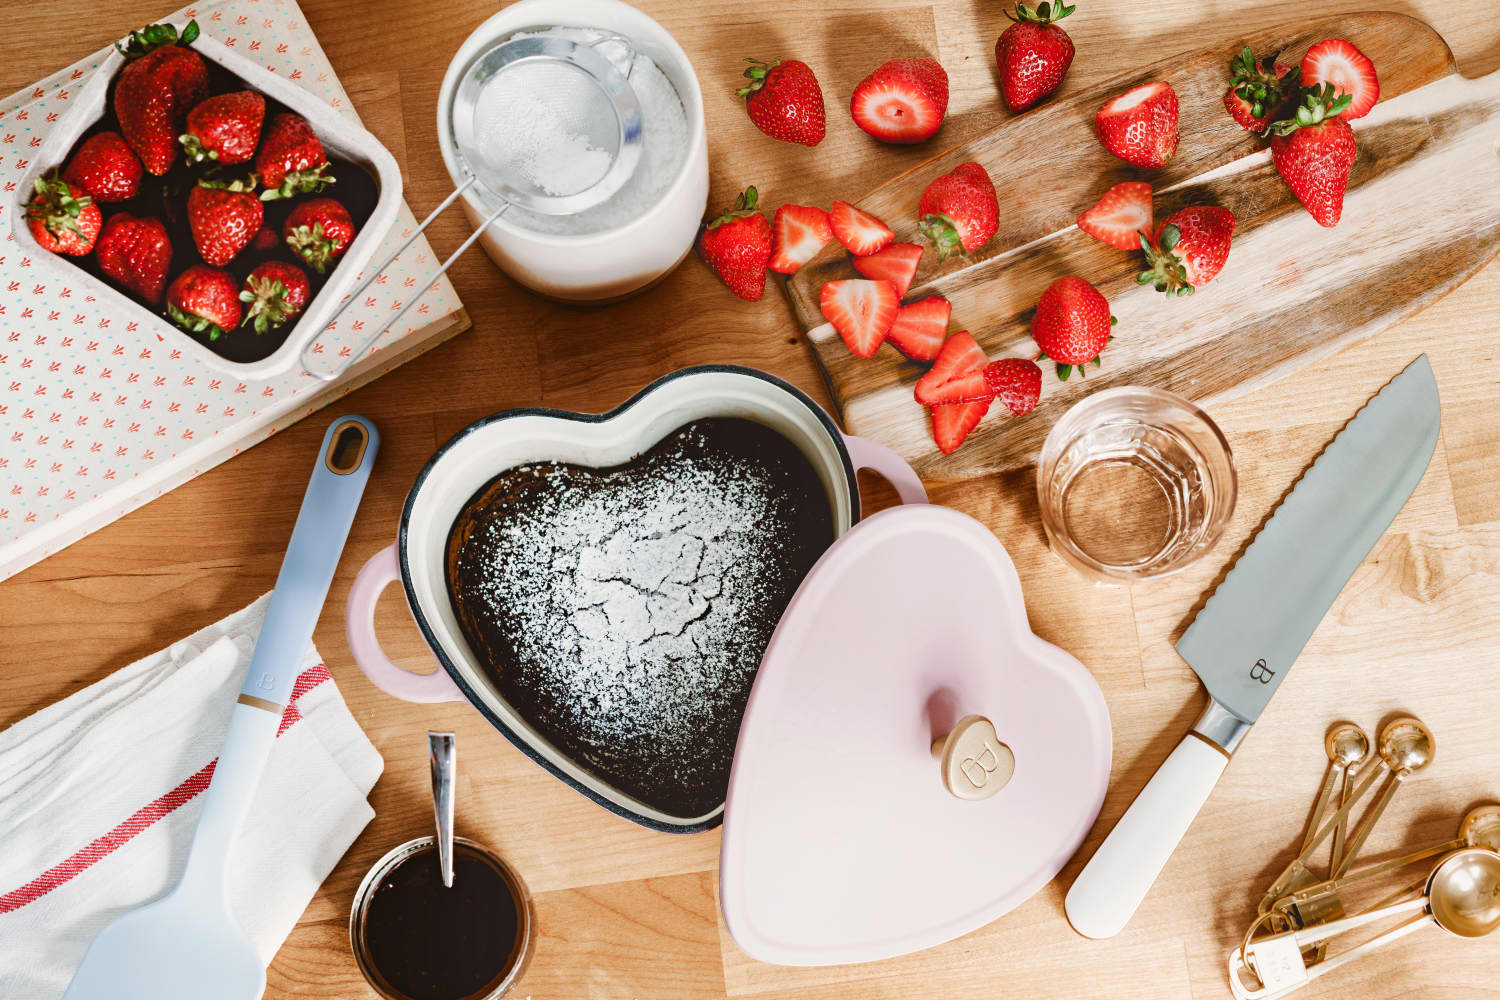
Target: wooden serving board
[[1421, 215]]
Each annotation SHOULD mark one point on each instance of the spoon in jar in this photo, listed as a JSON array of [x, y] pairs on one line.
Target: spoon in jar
[[442, 754]]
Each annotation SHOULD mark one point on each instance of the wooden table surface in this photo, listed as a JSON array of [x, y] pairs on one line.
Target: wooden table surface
[[626, 913]]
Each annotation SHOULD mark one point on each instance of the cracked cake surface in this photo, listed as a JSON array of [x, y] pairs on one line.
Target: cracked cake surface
[[624, 611]]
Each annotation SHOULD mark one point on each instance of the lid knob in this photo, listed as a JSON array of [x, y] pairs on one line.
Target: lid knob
[[973, 762]]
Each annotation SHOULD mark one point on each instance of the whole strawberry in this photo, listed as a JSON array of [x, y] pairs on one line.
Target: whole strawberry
[[1258, 90], [205, 300], [274, 293], [62, 218], [737, 245], [903, 101], [1072, 324], [136, 254], [959, 211], [318, 231], [1189, 249], [1314, 151], [1033, 54], [105, 168], [1140, 126], [224, 217], [784, 101], [155, 90], [225, 128], [291, 159]]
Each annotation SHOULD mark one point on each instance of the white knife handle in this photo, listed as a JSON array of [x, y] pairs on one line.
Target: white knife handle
[[1117, 878]]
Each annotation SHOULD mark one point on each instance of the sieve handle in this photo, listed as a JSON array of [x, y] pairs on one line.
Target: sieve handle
[[354, 355], [618, 39]]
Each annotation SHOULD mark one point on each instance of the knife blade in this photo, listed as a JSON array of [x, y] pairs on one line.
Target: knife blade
[[1249, 632]]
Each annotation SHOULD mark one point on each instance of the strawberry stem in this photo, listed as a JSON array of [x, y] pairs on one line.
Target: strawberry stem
[[743, 206], [1044, 13], [756, 73], [942, 232], [155, 36], [1315, 105]]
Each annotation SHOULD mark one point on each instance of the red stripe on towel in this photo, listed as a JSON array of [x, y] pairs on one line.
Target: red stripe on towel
[[142, 818]]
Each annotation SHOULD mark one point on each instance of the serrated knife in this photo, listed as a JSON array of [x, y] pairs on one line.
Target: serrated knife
[[1250, 631]]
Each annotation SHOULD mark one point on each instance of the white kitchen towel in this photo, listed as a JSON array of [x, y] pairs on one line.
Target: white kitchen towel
[[99, 796]]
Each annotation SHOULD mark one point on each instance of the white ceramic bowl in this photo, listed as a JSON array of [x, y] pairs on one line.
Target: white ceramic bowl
[[604, 266], [487, 448], [340, 136]]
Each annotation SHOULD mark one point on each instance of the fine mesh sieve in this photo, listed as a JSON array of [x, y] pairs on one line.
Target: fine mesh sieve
[[542, 122]]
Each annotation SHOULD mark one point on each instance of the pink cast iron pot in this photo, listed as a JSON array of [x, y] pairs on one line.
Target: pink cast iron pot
[[505, 440]]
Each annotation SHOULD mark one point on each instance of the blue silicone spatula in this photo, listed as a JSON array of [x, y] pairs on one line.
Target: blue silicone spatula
[[187, 945]]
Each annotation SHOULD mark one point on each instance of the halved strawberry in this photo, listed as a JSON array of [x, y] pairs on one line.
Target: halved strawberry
[[897, 264], [797, 235], [953, 422], [921, 327], [903, 101], [1120, 216], [1016, 382], [958, 374], [1350, 71], [861, 233], [861, 311], [1140, 125]]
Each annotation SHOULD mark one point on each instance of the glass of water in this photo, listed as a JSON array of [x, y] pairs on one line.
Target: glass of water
[[1134, 483]]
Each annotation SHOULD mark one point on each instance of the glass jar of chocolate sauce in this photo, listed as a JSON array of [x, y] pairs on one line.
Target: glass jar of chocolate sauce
[[416, 939]]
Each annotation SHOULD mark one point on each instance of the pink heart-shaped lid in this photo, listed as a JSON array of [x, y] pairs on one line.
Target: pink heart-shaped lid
[[842, 842]]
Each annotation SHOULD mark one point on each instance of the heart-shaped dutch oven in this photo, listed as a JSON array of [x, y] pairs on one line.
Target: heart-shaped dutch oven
[[441, 504]]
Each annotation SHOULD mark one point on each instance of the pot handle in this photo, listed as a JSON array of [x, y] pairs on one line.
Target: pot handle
[[381, 571], [872, 455]]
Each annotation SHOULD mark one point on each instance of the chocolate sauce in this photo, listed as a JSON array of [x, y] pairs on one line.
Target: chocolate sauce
[[428, 941], [624, 611]]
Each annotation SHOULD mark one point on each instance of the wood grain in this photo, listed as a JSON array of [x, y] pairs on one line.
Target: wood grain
[[623, 909], [1292, 292]]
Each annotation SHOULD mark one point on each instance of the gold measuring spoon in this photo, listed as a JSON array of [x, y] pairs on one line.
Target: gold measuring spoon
[[1462, 896], [1405, 746]]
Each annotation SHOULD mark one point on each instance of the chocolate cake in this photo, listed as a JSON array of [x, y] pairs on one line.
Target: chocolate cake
[[624, 611]]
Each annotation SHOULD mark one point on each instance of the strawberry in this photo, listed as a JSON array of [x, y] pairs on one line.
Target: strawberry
[[861, 311], [291, 159], [959, 211], [1016, 382], [1071, 325], [274, 293], [861, 233], [1258, 90], [205, 300], [797, 235], [784, 101], [1033, 54], [224, 217], [957, 376], [225, 128], [318, 231], [921, 327], [154, 91], [136, 253], [1140, 126], [737, 246], [62, 218], [897, 264], [1121, 216], [105, 168], [1334, 61], [952, 423], [265, 237], [1314, 152], [903, 101], [1188, 250]]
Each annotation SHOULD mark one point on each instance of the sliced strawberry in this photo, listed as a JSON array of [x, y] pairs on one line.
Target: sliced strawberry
[[897, 264], [921, 327], [1121, 216], [797, 235], [953, 422], [861, 233], [959, 359], [1350, 71], [861, 311], [903, 101], [1016, 382]]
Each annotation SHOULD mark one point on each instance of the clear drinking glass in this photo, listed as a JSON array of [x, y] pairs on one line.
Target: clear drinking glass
[[1134, 483]]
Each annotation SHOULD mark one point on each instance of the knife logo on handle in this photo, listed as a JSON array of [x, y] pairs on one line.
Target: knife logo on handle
[[1272, 599]]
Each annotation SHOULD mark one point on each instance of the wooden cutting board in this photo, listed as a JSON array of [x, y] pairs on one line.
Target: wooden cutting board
[[1421, 215]]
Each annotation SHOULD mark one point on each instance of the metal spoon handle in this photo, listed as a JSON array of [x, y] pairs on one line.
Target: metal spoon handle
[[1320, 804], [442, 754], [1294, 871], [1367, 824]]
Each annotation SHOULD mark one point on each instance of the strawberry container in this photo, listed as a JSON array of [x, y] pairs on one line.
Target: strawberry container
[[343, 140]]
